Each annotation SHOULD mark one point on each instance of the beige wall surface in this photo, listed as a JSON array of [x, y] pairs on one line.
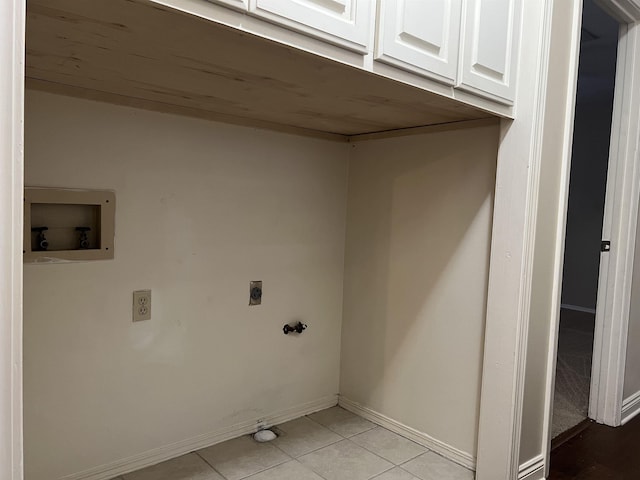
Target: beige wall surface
[[202, 209], [416, 268]]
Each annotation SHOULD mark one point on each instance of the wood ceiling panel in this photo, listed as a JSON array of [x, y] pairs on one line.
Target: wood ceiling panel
[[137, 49]]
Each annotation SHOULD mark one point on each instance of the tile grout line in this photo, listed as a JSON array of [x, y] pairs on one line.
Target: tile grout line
[[290, 457], [318, 423], [347, 438], [320, 448], [401, 467], [342, 438], [308, 453], [373, 453], [212, 467], [387, 470], [375, 425], [273, 466], [426, 450], [448, 460], [339, 438]]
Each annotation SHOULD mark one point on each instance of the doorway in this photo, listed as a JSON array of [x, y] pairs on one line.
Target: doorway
[[585, 214]]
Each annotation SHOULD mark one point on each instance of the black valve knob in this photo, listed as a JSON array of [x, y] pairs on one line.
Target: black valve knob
[[42, 242], [84, 238], [297, 328]]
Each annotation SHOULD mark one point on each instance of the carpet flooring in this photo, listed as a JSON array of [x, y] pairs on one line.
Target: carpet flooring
[[573, 371]]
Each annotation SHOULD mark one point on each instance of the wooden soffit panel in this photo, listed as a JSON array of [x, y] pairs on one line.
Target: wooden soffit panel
[[155, 56]]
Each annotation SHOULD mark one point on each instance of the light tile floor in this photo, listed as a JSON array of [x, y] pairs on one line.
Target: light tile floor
[[333, 444]]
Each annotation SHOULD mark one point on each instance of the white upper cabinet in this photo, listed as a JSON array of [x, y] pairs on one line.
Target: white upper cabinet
[[421, 36], [343, 22], [491, 32], [469, 46], [237, 4]]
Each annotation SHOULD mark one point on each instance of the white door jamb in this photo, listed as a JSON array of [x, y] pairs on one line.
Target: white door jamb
[[12, 34], [511, 262]]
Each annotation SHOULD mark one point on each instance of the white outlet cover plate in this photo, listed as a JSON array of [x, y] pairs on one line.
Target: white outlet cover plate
[[141, 305]]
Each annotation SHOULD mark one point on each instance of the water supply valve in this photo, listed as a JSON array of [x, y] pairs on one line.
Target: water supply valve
[[41, 240], [84, 237], [297, 328]]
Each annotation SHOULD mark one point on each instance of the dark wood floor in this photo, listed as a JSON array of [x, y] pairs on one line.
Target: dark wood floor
[[599, 453]]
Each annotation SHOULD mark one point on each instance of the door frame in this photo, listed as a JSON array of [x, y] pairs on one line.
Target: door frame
[[514, 239], [512, 248], [12, 43], [619, 225]]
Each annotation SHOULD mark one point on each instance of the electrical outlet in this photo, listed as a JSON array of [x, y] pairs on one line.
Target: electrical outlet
[[255, 292], [141, 305]]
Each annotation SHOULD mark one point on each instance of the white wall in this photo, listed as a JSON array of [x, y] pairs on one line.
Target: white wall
[[417, 259], [202, 209]]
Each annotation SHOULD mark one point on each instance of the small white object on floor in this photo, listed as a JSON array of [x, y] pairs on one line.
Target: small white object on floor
[[264, 436]]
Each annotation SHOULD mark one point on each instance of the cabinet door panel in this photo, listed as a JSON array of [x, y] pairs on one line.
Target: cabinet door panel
[[342, 22], [490, 48], [421, 36], [236, 4]]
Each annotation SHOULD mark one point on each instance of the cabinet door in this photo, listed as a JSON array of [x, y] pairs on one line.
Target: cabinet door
[[236, 4], [421, 36], [491, 35], [343, 22]]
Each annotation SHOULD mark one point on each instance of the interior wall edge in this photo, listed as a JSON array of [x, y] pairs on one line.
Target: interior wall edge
[[448, 451], [440, 127], [154, 106], [167, 452]]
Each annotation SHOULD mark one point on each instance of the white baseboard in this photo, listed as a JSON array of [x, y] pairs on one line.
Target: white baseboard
[[630, 407], [578, 308], [532, 469], [463, 458], [157, 455]]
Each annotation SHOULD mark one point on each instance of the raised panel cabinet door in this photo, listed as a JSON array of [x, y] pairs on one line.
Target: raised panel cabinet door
[[346, 23], [491, 35], [236, 4], [421, 36]]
